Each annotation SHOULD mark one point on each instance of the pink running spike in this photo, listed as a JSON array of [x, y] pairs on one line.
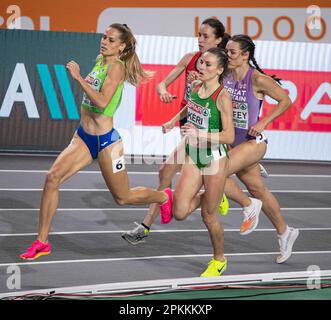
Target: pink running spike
[[166, 208], [36, 250]]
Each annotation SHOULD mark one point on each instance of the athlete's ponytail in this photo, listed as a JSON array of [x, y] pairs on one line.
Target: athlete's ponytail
[[134, 73], [225, 39], [247, 45]]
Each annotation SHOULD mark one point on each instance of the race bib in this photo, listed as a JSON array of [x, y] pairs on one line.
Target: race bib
[[94, 83], [118, 164], [198, 115], [240, 115], [218, 152], [260, 138]]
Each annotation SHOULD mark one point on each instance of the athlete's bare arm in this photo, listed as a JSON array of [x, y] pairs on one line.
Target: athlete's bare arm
[[161, 89], [265, 85]]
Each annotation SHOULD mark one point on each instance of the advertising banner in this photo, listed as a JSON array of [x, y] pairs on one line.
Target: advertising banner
[[292, 20], [39, 102]]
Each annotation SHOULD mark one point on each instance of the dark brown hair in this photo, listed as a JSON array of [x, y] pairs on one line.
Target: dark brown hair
[[247, 45], [219, 30]]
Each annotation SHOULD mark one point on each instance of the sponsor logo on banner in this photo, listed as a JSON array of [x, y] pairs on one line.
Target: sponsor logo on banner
[[20, 90]]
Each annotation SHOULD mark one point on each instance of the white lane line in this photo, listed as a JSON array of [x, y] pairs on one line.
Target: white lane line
[[80, 209], [300, 175], [62, 190], [33, 153], [152, 231], [154, 257], [79, 172], [107, 190], [129, 157], [144, 209], [24, 171], [155, 173]]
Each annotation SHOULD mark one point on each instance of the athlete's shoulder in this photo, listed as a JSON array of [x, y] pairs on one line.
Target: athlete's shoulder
[[262, 81], [116, 65], [189, 56], [258, 77], [99, 56], [117, 62], [224, 95], [195, 84], [224, 100], [192, 54], [116, 70]]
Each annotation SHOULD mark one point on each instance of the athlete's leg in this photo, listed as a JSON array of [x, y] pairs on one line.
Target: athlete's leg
[[286, 235], [241, 156], [263, 171], [245, 155], [166, 173], [251, 177], [118, 182], [72, 159], [214, 186], [234, 192], [188, 184]]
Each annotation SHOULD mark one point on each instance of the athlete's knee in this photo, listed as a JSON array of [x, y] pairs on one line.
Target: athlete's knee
[[121, 200], [257, 191], [180, 209], [53, 178], [208, 218], [179, 213]]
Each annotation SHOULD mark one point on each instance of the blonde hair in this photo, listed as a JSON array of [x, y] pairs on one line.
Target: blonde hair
[[134, 73]]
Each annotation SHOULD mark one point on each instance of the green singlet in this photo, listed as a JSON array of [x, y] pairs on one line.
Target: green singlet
[[96, 79], [204, 115]]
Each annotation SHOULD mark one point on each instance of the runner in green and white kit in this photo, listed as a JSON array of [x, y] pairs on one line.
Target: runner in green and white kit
[[211, 34], [204, 115], [208, 129]]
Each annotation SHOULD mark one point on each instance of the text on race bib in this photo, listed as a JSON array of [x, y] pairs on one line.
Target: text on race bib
[[118, 164], [240, 115], [198, 115]]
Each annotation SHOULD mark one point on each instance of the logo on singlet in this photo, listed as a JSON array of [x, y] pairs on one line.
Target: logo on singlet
[[96, 82], [206, 112]]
